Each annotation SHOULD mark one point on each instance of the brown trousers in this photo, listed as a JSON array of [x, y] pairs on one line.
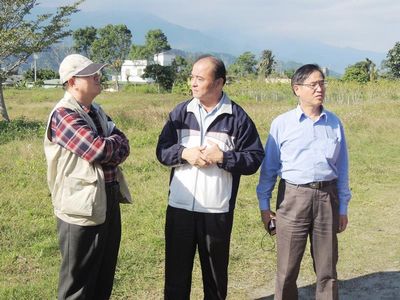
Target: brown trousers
[[303, 212]]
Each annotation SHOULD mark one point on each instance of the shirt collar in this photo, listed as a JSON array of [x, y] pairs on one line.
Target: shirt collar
[[224, 105], [301, 115], [214, 110]]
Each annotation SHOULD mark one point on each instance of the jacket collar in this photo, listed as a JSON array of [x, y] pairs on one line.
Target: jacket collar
[[226, 105], [72, 101]]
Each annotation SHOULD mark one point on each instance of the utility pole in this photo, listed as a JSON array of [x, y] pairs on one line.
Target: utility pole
[[35, 57]]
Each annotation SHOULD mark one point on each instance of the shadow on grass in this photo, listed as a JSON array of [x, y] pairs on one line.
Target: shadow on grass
[[375, 286]]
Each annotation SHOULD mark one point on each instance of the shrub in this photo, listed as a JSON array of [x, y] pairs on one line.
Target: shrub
[[181, 88], [19, 129]]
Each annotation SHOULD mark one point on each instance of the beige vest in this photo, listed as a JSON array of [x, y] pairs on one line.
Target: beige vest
[[77, 187]]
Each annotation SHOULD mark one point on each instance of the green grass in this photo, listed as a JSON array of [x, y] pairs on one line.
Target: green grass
[[20, 129], [29, 256]]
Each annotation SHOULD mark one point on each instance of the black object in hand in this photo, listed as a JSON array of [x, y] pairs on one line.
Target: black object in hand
[[271, 227]]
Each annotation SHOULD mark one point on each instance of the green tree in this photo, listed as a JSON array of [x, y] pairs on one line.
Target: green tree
[[112, 46], [83, 39], [362, 72], [164, 76], [41, 74], [266, 64], [21, 35], [289, 73], [156, 42], [392, 62], [244, 65], [372, 72], [139, 52], [182, 69]]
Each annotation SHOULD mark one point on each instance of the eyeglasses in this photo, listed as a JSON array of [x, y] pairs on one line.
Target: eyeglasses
[[314, 85]]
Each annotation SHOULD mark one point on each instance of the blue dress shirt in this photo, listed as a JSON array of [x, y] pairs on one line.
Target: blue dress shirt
[[301, 150]]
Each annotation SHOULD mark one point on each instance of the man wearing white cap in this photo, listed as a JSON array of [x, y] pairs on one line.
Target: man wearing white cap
[[83, 150]]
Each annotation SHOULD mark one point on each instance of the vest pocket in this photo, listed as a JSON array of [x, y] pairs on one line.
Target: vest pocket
[[78, 196]]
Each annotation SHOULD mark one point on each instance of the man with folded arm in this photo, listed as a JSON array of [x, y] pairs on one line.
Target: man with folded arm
[[83, 150], [307, 149], [208, 141]]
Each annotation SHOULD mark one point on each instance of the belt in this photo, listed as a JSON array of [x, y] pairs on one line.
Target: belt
[[315, 185]]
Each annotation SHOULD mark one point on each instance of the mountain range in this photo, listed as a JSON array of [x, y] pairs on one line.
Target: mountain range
[[228, 44]]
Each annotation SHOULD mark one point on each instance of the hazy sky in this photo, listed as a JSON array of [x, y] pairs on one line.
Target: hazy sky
[[362, 24]]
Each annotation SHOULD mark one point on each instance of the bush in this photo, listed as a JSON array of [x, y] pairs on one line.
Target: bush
[[19, 129], [181, 88], [41, 74]]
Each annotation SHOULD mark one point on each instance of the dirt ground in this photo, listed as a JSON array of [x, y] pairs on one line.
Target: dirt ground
[[375, 286]]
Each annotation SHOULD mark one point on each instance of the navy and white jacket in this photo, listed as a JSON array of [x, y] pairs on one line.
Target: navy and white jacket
[[212, 189]]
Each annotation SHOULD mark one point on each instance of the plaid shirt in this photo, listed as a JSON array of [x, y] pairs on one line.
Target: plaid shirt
[[72, 132]]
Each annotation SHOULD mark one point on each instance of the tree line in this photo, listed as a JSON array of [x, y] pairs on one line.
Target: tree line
[[365, 71], [22, 35], [111, 44]]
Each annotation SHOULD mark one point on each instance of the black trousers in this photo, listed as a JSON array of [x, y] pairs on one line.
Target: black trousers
[[89, 254], [210, 233]]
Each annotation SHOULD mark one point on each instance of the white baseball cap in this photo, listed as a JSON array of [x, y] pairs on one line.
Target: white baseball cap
[[77, 65]]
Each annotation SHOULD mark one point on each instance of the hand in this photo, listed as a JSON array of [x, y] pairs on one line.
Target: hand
[[195, 156], [266, 216], [212, 153], [343, 220]]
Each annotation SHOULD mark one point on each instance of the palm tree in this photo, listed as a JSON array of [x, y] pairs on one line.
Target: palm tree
[[266, 64]]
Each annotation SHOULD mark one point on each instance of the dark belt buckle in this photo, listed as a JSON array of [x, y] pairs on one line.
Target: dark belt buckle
[[314, 185]]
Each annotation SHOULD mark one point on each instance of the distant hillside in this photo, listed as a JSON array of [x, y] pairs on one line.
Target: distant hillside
[[227, 45]]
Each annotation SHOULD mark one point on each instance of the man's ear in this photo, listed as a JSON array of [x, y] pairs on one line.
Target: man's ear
[[220, 82], [71, 81], [295, 89]]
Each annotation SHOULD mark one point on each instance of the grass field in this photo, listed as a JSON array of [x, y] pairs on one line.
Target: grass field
[[29, 255]]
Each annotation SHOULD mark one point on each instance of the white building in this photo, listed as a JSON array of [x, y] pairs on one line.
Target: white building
[[164, 58], [132, 70]]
